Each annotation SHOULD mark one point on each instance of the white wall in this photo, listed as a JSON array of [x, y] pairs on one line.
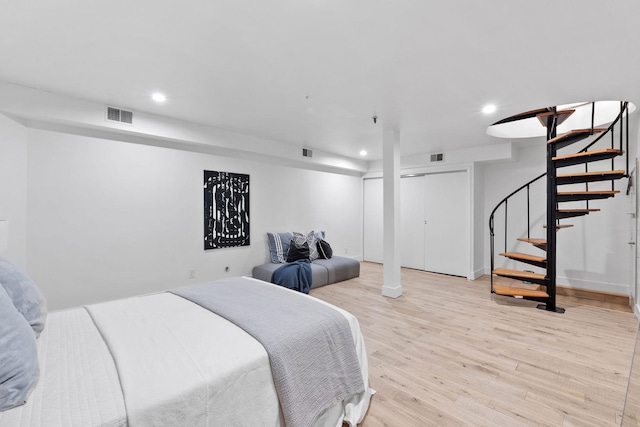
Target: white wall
[[110, 219], [634, 291], [479, 226], [594, 254], [13, 189]]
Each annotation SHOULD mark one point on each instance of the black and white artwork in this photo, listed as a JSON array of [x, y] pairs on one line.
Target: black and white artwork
[[226, 210]]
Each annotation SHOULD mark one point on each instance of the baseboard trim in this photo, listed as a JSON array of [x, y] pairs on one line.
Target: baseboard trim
[[592, 295], [474, 275], [392, 292]]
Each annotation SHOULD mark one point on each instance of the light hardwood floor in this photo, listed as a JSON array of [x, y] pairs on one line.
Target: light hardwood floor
[[632, 405], [448, 353]]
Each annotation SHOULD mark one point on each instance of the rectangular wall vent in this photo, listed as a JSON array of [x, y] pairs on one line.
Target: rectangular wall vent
[[307, 152], [439, 157], [119, 115]]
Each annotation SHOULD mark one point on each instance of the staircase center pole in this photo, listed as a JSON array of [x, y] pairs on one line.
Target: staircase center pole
[[551, 218]]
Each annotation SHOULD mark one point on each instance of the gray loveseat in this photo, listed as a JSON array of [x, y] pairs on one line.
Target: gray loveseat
[[323, 271]]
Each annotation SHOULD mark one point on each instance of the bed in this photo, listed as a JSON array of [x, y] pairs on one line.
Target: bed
[[166, 360]]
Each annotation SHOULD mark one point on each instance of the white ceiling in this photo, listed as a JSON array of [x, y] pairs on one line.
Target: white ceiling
[[314, 72]]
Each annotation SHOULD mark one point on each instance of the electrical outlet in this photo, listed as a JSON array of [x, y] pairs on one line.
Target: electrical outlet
[[192, 273], [346, 251]]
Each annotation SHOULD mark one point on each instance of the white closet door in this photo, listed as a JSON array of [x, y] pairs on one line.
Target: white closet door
[[446, 232], [372, 220], [412, 192]]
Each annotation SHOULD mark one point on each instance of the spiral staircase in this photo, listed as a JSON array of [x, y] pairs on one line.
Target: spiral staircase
[[561, 153]]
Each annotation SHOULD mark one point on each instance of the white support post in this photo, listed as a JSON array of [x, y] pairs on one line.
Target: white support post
[[392, 286]]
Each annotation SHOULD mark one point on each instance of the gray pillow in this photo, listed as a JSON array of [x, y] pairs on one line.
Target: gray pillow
[[26, 296], [19, 370], [279, 246], [311, 238]]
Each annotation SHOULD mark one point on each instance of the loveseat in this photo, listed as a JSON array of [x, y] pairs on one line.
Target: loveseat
[[324, 271]]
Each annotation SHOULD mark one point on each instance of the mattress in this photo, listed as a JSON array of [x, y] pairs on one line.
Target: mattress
[[160, 360]]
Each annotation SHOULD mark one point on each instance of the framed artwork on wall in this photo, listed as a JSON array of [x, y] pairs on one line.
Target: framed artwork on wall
[[226, 210]]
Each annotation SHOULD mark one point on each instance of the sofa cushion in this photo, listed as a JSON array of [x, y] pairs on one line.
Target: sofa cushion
[[319, 273], [279, 246], [340, 268]]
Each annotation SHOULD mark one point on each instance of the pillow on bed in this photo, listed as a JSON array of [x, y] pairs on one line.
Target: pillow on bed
[[297, 251], [279, 246], [324, 249], [26, 296], [19, 369]]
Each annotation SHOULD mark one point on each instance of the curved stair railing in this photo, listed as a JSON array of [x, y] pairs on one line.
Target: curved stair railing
[[505, 202], [552, 118]]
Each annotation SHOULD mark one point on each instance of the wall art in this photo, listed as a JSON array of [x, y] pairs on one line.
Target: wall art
[[226, 210]]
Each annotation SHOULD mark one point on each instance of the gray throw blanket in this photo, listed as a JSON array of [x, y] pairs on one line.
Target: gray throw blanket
[[313, 358], [295, 275]]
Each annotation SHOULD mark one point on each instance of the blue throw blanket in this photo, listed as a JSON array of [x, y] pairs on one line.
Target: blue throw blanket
[[294, 275]]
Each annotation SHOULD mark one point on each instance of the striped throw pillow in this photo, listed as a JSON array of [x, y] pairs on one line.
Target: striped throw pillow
[[279, 246]]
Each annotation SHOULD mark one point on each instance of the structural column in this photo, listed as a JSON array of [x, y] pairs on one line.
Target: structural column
[[552, 206], [392, 286]]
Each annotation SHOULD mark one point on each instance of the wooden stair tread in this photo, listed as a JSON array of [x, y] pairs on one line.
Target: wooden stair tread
[[586, 193], [519, 255], [572, 213], [519, 292], [588, 174], [595, 176], [574, 196], [521, 116], [560, 226], [586, 154], [575, 132], [578, 210], [523, 275], [533, 241], [562, 116]]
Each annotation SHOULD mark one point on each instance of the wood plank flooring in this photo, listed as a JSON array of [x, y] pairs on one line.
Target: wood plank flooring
[[632, 404], [447, 353]]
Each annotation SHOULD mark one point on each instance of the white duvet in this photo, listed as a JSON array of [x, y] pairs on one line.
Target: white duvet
[[176, 364], [78, 383]]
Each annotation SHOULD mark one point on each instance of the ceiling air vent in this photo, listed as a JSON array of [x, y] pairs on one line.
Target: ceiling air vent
[[306, 152], [437, 157], [120, 116]]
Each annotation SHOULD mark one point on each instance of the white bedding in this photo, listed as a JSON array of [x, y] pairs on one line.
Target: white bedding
[[78, 383], [225, 380], [166, 372]]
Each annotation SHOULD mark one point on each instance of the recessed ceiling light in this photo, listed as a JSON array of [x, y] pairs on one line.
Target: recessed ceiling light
[[363, 152], [158, 97], [489, 109]]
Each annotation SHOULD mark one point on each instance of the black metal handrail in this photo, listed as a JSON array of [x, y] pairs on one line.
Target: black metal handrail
[[623, 108], [491, 220], [611, 128]]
